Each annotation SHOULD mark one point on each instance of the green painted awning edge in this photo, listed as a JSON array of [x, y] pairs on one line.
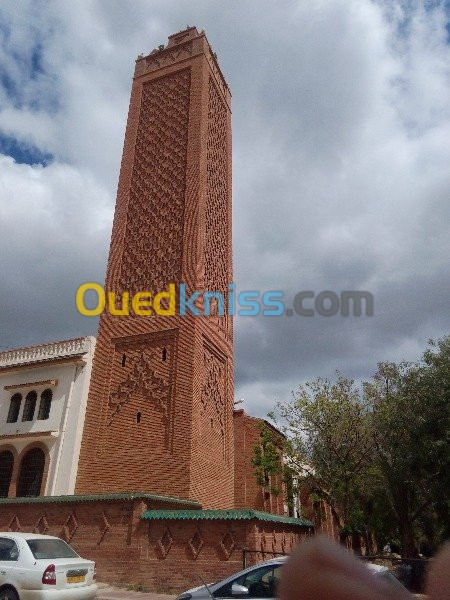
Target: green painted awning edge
[[98, 497], [227, 515]]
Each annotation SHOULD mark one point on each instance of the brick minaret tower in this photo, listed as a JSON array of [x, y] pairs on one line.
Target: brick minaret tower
[[160, 409]]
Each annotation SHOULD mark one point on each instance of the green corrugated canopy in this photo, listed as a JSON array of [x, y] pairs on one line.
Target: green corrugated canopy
[[224, 515]]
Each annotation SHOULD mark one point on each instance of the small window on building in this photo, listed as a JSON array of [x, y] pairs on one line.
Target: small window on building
[[14, 408], [29, 407], [6, 469], [45, 405], [31, 473]]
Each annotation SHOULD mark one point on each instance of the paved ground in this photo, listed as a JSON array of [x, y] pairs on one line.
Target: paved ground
[[113, 593]]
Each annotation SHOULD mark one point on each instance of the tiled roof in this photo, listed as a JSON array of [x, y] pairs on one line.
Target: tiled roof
[[230, 514]]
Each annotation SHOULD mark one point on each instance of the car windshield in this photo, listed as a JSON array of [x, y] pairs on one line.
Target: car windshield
[[392, 579], [47, 548], [260, 582]]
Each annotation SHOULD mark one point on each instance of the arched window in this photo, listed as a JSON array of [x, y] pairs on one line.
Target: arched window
[[14, 408], [31, 473], [30, 406], [6, 469], [45, 405]]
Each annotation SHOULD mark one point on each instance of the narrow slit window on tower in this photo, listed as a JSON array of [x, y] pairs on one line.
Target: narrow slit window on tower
[[124, 360], [138, 417], [164, 354]]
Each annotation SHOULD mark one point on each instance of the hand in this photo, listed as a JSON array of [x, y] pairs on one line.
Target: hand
[[320, 569]]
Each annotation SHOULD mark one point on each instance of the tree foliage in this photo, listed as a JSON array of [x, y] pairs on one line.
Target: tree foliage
[[266, 459], [410, 422], [328, 444], [380, 456]]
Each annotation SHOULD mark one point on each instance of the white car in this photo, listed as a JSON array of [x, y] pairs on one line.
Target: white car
[[43, 567]]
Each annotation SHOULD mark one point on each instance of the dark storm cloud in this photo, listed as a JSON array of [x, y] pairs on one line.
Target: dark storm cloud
[[340, 157]]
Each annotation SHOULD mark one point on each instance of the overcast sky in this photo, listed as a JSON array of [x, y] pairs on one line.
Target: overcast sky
[[341, 154]]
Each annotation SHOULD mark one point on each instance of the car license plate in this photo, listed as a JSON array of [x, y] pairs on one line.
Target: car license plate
[[76, 578]]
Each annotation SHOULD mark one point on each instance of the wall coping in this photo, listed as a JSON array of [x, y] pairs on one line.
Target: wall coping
[[46, 352], [67, 499]]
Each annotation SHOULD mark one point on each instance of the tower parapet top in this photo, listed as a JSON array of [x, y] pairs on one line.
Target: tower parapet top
[[182, 36], [182, 46]]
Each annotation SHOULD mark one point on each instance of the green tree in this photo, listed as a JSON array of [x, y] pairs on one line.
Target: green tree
[[410, 424], [381, 459], [329, 445]]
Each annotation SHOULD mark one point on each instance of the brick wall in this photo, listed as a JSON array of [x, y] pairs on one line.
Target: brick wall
[[321, 514], [248, 493], [159, 412], [164, 556]]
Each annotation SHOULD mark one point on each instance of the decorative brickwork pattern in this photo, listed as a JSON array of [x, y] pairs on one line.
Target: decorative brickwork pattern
[[165, 543], [196, 543], [154, 234], [69, 528], [41, 526], [217, 193], [168, 57], [142, 380], [14, 524], [104, 527], [213, 397], [144, 368], [159, 416], [227, 544], [165, 556]]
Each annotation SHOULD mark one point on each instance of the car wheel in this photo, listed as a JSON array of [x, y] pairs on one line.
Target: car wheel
[[8, 595]]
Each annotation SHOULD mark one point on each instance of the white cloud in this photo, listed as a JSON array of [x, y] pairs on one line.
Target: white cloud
[[341, 127], [55, 227]]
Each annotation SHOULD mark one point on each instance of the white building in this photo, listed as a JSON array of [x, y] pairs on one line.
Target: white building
[[43, 396]]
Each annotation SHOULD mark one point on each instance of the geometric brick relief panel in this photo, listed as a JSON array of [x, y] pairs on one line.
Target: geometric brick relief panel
[[217, 240], [227, 544], [141, 386], [41, 526], [169, 57], [14, 524], [69, 528], [104, 528], [153, 242], [196, 543], [213, 399], [165, 542]]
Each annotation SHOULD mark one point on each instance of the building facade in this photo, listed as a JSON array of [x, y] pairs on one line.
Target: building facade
[[248, 492], [43, 394]]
